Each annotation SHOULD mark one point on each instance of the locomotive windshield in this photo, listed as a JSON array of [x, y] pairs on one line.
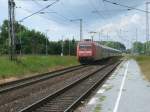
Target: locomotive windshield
[[83, 47]]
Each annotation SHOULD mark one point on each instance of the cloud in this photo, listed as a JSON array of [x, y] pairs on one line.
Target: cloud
[[123, 28], [73, 9], [123, 23]]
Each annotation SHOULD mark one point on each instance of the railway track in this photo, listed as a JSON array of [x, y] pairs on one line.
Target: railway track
[[20, 98], [68, 97], [6, 87]]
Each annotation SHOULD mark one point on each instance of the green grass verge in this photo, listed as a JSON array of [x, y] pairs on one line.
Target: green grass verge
[[33, 64], [144, 62]]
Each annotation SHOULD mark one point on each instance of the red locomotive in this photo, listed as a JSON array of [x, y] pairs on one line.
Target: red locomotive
[[88, 51]]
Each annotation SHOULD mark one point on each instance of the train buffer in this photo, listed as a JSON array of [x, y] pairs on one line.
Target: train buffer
[[125, 91]]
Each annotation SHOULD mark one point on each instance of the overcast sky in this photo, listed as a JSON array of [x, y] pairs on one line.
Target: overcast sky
[[119, 23]]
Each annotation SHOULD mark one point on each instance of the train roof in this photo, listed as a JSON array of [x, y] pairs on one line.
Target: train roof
[[103, 46], [106, 47]]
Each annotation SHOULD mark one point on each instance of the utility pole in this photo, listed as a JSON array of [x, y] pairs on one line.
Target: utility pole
[[11, 18], [20, 40], [136, 34], [147, 26], [46, 46], [62, 47], [136, 39], [92, 35], [100, 35], [81, 27], [107, 36], [69, 47]]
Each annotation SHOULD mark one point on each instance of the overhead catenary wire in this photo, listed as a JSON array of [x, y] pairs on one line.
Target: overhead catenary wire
[[37, 3], [111, 10], [39, 10], [119, 35], [69, 11], [66, 18], [44, 12], [40, 15], [37, 0], [93, 6], [129, 7], [28, 11]]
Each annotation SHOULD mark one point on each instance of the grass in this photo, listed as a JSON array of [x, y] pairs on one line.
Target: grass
[[27, 65], [97, 108], [144, 62]]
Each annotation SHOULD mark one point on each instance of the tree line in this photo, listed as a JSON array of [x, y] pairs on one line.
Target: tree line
[[34, 42], [141, 48]]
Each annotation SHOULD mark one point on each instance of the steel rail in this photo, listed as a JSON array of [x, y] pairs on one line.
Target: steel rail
[[35, 79], [85, 95], [43, 101]]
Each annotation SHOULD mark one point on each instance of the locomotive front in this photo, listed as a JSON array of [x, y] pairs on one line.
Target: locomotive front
[[85, 52]]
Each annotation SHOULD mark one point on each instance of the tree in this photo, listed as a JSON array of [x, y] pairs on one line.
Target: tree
[[33, 42], [4, 39], [138, 47], [146, 48], [70, 44]]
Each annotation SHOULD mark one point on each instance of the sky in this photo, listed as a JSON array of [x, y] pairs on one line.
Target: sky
[[111, 22]]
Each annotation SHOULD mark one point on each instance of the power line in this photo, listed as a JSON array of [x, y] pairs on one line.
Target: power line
[[92, 5], [29, 11], [111, 10], [36, 2], [45, 17], [129, 7], [39, 10], [66, 18], [147, 28], [68, 11], [63, 16]]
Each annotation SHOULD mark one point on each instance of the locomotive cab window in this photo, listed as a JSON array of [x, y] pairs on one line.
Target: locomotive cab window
[[82, 47]]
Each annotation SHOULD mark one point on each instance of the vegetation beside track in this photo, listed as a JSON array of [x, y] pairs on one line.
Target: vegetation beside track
[[27, 65], [144, 62]]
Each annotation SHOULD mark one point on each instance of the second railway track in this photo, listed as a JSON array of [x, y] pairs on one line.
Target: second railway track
[[6, 87], [68, 97], [19, 98]]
